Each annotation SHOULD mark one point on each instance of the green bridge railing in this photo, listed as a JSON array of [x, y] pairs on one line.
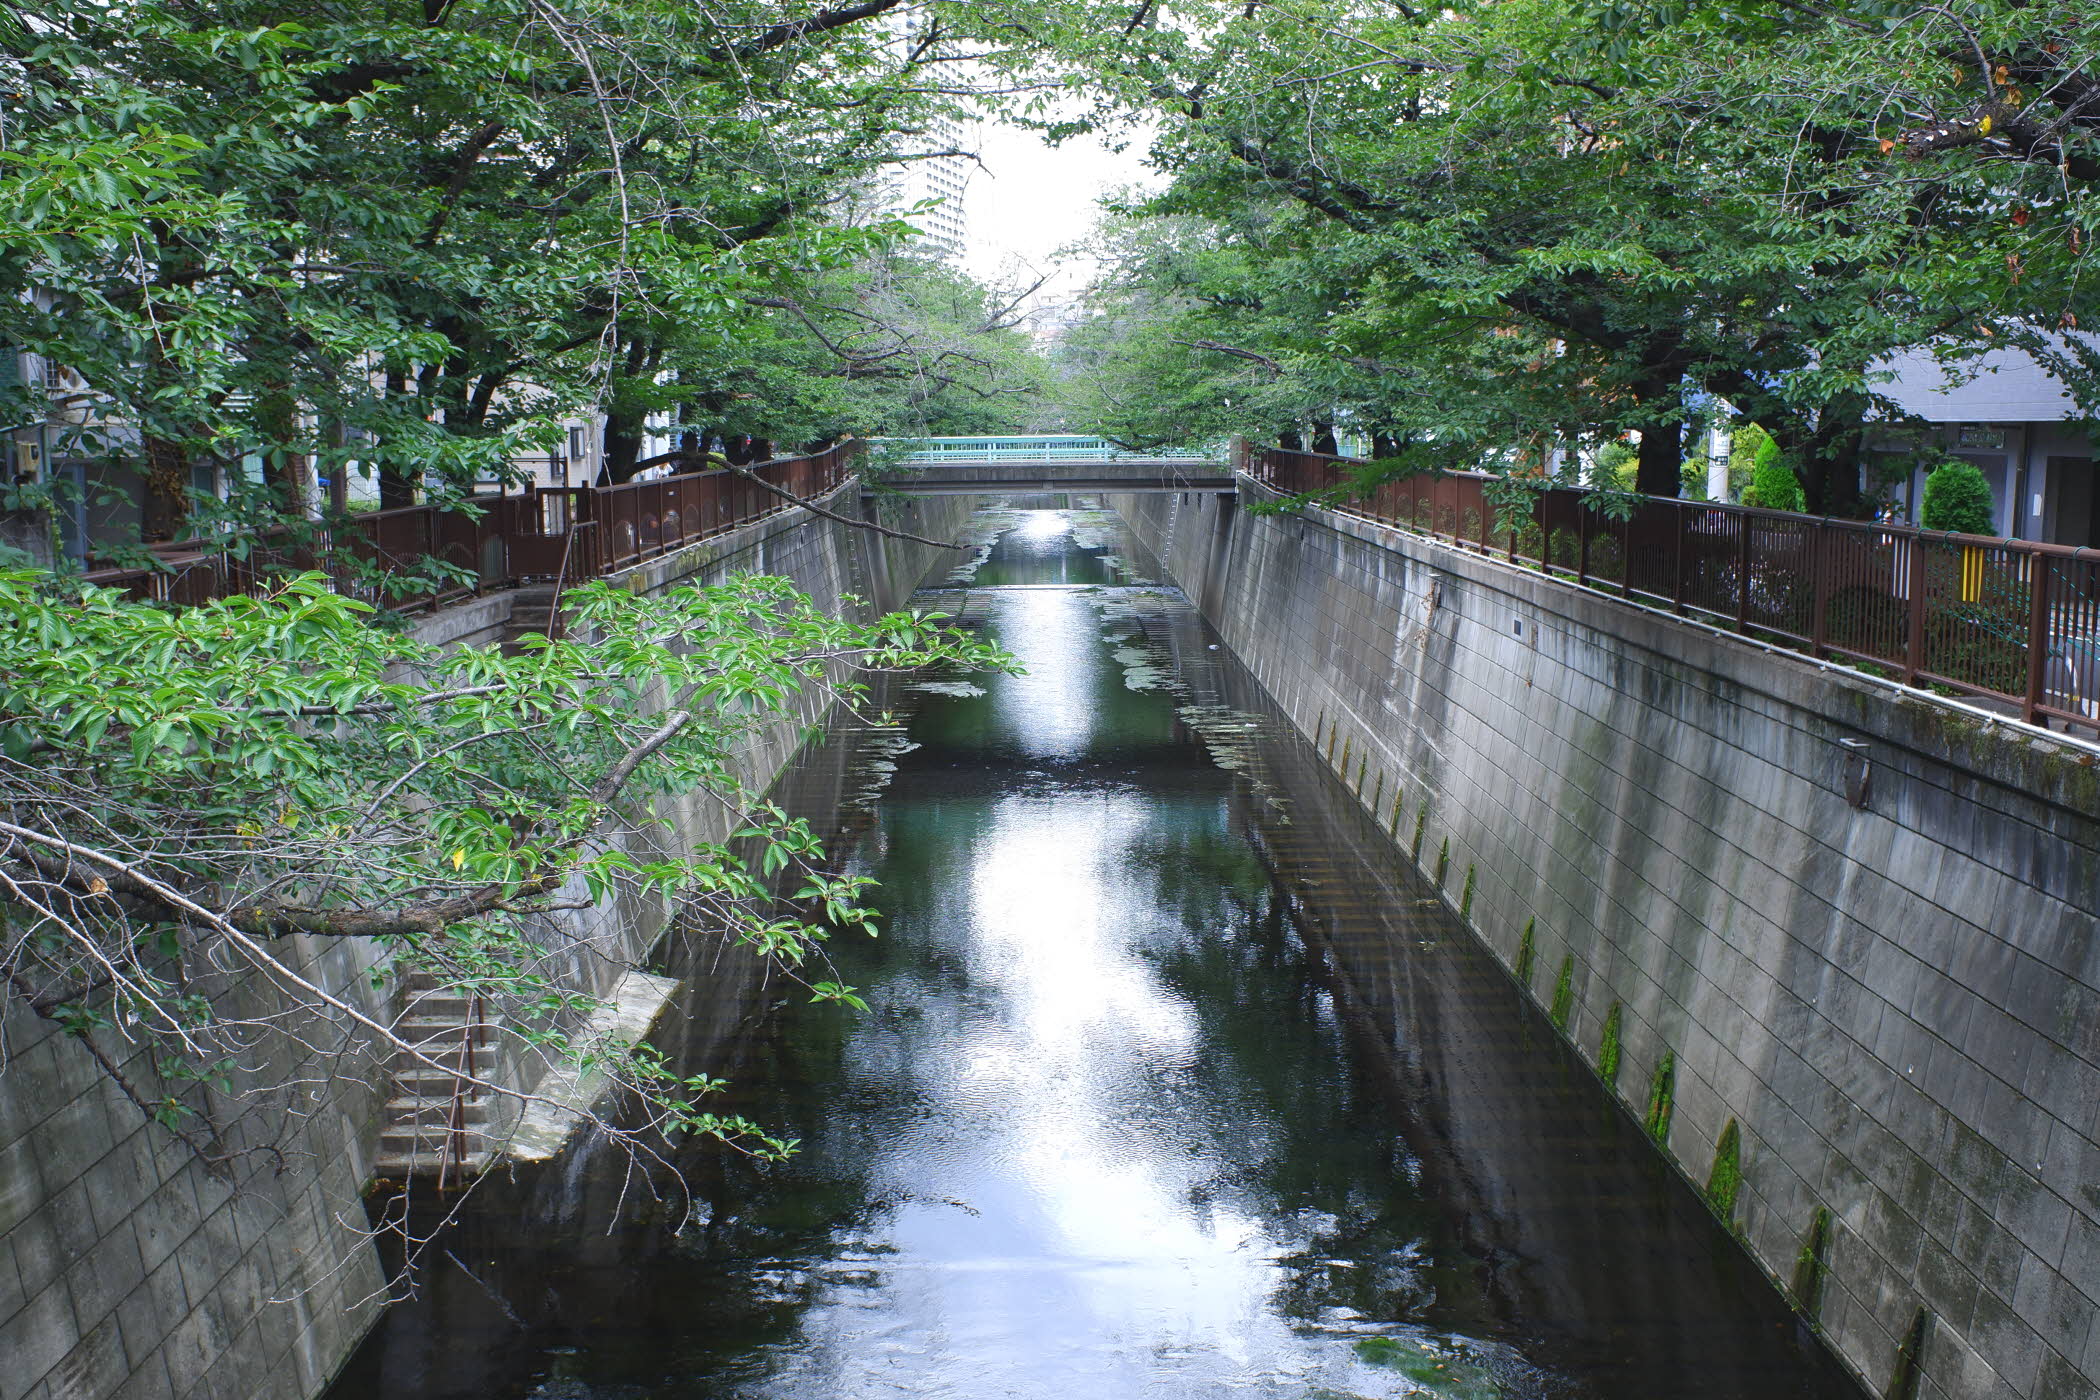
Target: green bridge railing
[[1042, 447]]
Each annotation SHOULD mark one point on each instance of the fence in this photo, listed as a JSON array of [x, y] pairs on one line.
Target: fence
[[561, 533], [2009, 620]]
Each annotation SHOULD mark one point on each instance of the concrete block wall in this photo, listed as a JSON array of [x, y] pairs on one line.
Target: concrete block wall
[[1898, 1006], [130, 1268]]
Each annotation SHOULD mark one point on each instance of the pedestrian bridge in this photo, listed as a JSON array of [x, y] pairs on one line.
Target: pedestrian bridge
[[1051, 462]]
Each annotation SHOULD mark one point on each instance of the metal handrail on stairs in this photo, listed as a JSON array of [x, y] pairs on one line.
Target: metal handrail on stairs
[[454, 1161]]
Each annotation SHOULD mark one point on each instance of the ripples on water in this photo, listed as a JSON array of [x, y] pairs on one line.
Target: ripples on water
[[1172, 1085]]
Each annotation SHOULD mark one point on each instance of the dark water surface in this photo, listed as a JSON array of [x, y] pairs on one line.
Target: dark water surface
[[1172, 1084]]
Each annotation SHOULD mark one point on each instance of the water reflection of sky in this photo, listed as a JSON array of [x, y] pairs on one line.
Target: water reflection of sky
[[1047, 713], [1070, 1208]]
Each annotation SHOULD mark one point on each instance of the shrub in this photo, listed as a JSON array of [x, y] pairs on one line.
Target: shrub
[[1748, 440], [1617, 465], [1958, 498], [1773, 484]]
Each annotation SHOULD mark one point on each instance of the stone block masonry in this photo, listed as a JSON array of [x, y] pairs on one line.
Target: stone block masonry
[[129, 1269], [1866, 1023]]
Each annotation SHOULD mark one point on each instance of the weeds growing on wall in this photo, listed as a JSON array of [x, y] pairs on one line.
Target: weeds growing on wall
[[1465, 900], [1608, 1048], [1662, 1099], [1726, 1178], [1563, 995], [1527, 952]]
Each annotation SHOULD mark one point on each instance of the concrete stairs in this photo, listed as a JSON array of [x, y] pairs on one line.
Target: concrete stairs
[[436, 1124], [531, 612]]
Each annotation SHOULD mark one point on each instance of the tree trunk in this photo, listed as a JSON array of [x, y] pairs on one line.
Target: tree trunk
[[1324, 440], [1384, 444], [1830, 457], [284, 466], [623, 447], [167, 504], [736, 450], [1660, 469], [396, 488], [1290, 441]]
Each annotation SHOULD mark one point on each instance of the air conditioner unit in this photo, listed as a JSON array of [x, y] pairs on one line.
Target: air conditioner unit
[[28, 462]]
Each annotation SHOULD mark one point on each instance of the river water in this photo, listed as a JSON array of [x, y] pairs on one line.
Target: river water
[[1173, 1083]]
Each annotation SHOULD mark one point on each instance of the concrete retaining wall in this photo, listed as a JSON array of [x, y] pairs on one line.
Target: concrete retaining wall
[[127, 1268], [1898, 1006]]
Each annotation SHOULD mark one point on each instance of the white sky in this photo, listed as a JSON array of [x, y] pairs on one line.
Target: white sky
[[1029, 201]]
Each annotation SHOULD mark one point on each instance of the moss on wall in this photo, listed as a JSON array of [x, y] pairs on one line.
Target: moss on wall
[[1608, 1047], [1563, 995], [1811, 1267], [1909, 1369], [1725, 1179], [1662, 1099]]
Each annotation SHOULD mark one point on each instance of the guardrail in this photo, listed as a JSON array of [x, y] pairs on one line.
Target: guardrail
[[2010, 620], [563, 533], [1045, 447]]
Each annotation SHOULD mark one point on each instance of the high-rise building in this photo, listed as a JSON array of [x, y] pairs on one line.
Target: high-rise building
[[944, 229], [921, 173]]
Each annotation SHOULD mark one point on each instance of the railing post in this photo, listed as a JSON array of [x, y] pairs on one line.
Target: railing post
[[1914, 643], [1683, 513], [2037, 637], [1819, 571], [1742, 570], [1582, 542]]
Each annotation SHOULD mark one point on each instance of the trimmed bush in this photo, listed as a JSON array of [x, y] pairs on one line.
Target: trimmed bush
[[1773, 484], [1958, 498]]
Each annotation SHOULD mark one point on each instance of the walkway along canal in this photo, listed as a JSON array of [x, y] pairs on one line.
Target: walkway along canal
[[1174, 1082]]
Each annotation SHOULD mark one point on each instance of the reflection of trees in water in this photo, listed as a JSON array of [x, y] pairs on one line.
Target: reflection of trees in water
[[1315, 1149]]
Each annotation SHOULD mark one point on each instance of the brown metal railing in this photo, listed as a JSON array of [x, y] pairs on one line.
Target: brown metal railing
[[2009, 620], [554, 532]]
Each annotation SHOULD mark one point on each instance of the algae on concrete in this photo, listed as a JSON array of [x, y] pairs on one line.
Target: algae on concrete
[[1811, 1267], [1662, 1099], [1608, 1047], [1563, 995], [1725, 1180], [1910, 1359]]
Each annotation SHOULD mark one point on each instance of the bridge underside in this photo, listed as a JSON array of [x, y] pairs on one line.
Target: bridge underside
[[1135, 476]]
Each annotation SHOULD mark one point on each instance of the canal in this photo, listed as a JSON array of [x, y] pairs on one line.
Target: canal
[[1174, 1082]]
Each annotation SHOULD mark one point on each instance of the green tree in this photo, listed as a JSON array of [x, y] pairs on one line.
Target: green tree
[[410, 235], [1958, 498], [192, 801], [1501, 231]]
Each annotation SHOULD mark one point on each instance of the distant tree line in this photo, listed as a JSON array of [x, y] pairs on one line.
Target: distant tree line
[[266, 239], [1491, 235]]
